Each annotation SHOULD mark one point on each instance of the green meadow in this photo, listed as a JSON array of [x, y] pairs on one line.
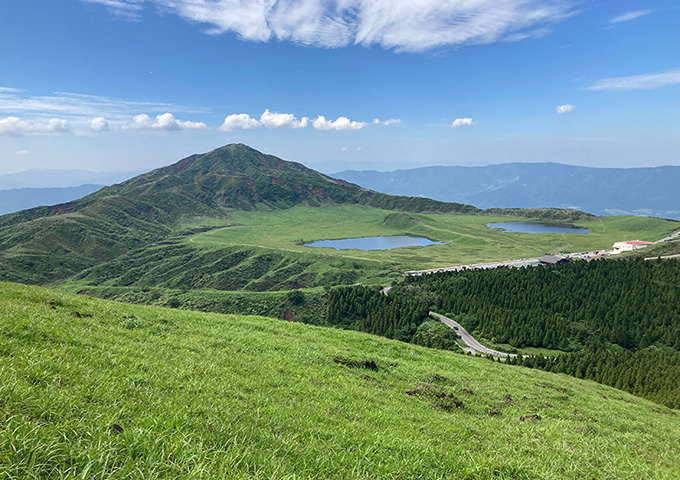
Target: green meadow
[[214, 265], [103, 390], [466, 238]]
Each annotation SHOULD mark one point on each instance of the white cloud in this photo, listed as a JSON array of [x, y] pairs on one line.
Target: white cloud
[[99, 124], [341, 123], [16, 126], [22, 152], [343, 149], [240, 121], [164, 121], [279, 120], [638, 82], [391, 121], [414, 25], [565, 108], [630, 16], [462, 122], [10, 90]]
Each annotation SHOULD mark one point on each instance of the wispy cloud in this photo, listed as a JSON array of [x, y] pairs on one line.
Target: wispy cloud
[[626, 17], [415, 25], [391, 121], [85, 113], [463, 122], [129, 9], [10, 90], [82, 106], [17, 127], [647, 81], [565, 108], [22, 152]]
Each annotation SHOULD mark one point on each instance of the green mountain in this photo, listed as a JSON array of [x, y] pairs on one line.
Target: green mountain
[[46, 245], [98, 389]]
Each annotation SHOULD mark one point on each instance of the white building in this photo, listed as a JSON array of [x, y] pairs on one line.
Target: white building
[[629, 246]]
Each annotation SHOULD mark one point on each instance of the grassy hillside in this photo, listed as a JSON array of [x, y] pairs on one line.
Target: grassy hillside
[[265, 251], [96, 389]]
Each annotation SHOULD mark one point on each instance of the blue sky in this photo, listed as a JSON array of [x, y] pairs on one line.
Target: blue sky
[[335, 84]]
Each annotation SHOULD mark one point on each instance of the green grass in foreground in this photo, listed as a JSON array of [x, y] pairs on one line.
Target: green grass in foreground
[[97, 389], [305, 305], [467, 238]]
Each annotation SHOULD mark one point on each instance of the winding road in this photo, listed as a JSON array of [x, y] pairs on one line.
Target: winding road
[[469, 339]]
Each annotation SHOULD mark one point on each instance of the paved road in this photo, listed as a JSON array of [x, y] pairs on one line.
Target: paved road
[[506, 263], [469, 339], [476, 266], [669, 238], [665, 257]]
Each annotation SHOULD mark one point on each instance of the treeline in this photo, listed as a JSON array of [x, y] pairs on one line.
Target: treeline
[[618, 321], [649, 374], [397, 316], [632, 303]]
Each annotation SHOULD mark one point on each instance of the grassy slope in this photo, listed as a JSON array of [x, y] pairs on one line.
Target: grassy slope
[[211, 396], [467, 237], [661, 250], [310, 308]]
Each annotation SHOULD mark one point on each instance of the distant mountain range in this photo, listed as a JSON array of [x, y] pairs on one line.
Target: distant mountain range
[[602, 191], [33, 188], [61, 178], [23, 198]]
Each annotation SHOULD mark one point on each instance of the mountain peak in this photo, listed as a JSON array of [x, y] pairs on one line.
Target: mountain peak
[[233, 158]]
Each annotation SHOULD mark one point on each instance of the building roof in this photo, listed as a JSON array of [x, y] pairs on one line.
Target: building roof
[[551, 259]]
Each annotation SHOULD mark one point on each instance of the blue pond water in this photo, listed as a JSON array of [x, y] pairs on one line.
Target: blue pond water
[[373, 243], [525, 227]]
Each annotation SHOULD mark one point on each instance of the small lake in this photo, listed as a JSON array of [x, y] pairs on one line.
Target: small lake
[[526, 227], [374, 243]]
